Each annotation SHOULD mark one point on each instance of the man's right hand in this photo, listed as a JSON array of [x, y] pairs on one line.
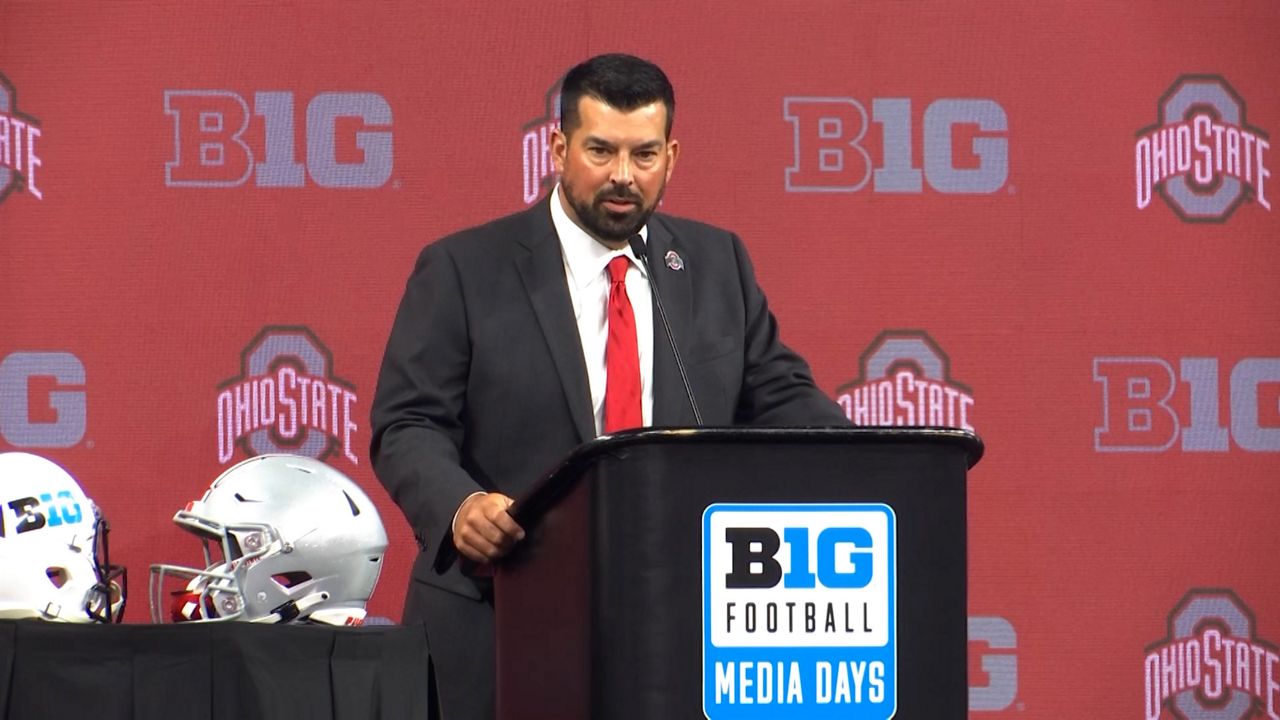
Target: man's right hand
[[482, 529]]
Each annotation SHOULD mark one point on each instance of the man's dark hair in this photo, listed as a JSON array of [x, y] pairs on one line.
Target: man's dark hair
[[622, 81]]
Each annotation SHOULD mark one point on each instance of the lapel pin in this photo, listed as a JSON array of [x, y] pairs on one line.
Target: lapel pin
[[673, 260]]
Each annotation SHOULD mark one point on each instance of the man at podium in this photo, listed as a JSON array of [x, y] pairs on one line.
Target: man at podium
[[586, 314]]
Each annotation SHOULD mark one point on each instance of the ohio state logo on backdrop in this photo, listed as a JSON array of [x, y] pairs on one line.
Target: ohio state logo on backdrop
[[906, 380], [1212, 665], [19, 136], [1201, 156], [539, 174], [964, 146], [286, 399], [217, 141]]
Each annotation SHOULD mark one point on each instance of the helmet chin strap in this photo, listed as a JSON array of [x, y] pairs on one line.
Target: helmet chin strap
[[291, 610]]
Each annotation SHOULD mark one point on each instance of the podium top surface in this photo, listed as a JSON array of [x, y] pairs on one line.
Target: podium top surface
[[963, 439], [546, 491]]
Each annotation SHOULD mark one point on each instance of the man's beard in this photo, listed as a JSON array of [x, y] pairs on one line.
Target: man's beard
[[607, 225]]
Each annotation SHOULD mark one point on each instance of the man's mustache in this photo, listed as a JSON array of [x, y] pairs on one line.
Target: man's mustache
[[623, 195]]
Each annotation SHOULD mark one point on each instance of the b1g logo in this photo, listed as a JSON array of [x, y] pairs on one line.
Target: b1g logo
[[1145, 410], [799, 612], [995, 679], [18, 135], [905, 380], [1201, 156], [1212, 665], [535, 146], [211, 148], [831, 154], [42, 400], [286, 399], [26, 514]]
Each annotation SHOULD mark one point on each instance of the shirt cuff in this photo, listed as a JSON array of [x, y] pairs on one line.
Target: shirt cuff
[[453, 525]]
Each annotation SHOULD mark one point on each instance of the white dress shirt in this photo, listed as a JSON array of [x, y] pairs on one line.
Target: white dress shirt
[[585, 260]]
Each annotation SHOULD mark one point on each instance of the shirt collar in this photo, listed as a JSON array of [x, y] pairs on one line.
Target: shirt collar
[[584, 256]]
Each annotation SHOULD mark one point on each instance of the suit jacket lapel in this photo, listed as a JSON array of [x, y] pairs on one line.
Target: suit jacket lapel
[[542, 271], [670, 405]]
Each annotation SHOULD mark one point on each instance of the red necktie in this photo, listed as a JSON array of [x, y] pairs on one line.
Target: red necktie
[[621, 355]]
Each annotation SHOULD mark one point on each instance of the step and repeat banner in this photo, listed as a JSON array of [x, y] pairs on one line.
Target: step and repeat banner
[[1051, 223]]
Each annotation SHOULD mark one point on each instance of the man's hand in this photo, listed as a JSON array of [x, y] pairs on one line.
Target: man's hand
[[482, 530]]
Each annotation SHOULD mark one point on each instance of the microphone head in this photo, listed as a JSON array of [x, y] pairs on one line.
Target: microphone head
[[638, 247]]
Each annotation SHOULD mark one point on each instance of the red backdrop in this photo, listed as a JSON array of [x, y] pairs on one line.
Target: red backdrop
[[1050, 222]]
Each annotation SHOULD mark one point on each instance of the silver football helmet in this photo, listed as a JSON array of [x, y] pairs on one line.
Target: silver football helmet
[[286, 539], [53, 547]]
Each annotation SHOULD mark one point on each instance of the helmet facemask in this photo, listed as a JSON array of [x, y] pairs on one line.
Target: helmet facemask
[[105, 601]]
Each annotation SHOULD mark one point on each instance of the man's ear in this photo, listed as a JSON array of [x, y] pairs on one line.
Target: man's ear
[[673, 153], [559, 149]]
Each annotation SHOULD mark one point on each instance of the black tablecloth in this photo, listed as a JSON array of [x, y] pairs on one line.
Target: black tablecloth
[[211, 671]]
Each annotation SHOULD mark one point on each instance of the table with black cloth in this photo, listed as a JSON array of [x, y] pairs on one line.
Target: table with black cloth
[[211, 671]]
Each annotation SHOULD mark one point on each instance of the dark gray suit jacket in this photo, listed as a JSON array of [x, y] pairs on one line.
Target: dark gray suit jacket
[[484, 386]]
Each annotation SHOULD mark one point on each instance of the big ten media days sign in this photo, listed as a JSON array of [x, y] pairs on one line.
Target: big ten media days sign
[[799, 611]]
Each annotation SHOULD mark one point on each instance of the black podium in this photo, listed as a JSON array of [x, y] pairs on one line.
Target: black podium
[[741, 573]]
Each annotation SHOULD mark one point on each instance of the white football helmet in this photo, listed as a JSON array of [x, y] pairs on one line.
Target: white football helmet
[[286, 539], [53, 547]]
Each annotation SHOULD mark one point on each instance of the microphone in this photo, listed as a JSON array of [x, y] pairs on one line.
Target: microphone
[[641, 251]]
